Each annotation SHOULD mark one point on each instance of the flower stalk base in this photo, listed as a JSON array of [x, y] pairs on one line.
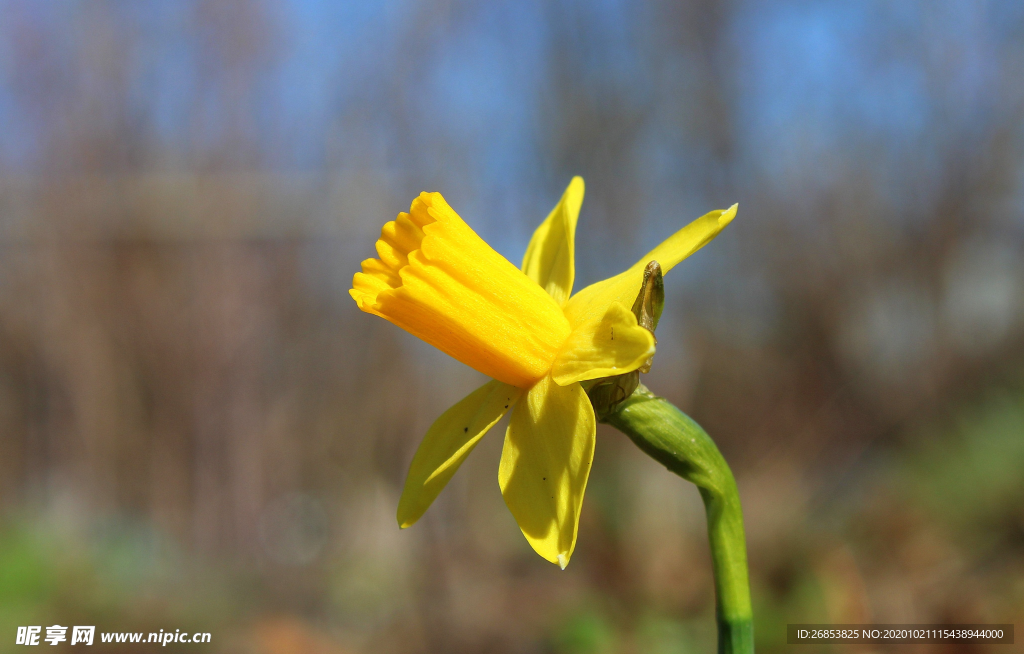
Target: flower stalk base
[[670, 437]]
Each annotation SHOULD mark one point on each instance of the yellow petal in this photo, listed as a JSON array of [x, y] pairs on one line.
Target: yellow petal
[[549, 447], [439, 281], [447, 444], [591, 303], [613, 345], [549, 257]]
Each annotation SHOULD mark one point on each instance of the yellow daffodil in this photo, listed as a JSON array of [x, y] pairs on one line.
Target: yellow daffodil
[[438, 280]]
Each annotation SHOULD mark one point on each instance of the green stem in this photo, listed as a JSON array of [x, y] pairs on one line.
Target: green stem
[[670, 437]]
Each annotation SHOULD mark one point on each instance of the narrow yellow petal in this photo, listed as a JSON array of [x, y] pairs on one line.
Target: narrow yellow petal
[[447, 444], [591, 303], [689, 239], [613, 345], [439, 281], [549, 447], [549, 259]]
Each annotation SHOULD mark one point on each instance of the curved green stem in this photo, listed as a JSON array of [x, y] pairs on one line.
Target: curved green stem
[[670, 437]]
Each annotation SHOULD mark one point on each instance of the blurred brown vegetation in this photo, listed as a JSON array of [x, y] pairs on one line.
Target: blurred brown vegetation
[[201, 431]]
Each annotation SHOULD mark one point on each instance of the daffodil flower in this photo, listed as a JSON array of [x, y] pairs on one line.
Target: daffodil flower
[[438, 280]]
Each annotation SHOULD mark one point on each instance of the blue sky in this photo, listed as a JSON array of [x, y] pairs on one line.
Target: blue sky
[[808, 86]]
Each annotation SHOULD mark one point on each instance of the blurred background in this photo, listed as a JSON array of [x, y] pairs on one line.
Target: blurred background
[[198, 429]]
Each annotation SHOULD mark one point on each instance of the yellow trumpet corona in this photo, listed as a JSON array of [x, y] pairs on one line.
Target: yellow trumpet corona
[[435, 278]]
